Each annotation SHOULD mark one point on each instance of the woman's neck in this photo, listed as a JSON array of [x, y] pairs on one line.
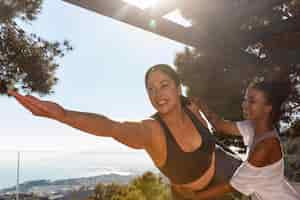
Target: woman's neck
[[175, 116], [263, 126]]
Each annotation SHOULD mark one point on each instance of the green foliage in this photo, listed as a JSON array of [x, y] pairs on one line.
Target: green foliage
[[27, 62], [220, 81], [146, 187], [149, 186], [129, 193], [26, 9], [152, 186], [107, 192], [237, 47], [291, 146]]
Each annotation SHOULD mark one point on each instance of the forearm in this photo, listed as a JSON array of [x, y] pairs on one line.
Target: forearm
[[214, 192], [220, 125], [95, 124], [133, 134]]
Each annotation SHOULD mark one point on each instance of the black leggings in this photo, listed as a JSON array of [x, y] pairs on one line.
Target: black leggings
[[225, 168]]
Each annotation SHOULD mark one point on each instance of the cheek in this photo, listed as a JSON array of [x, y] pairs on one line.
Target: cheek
[[175, 92], [151, 99], [257, 109]]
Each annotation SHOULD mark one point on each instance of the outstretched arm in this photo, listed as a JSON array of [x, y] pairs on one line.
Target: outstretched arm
[[221, 125], [134, 134]]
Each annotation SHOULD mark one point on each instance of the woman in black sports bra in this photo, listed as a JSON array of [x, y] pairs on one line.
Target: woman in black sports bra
[[176, 137]]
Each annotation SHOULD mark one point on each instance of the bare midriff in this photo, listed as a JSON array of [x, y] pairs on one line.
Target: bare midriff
[[200, 183]]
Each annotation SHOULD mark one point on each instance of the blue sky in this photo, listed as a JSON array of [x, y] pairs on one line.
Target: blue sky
[[104, 74]]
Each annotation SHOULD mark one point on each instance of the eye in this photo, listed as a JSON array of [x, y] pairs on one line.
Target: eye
[[150, 89], [249, 100]]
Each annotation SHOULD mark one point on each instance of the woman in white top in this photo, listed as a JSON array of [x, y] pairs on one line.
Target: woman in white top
[[261, 176]]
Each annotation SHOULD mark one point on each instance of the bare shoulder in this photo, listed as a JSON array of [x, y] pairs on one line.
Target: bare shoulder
[[274, 148], [266, 152], [151, 124], [157, 138], [154, 128]]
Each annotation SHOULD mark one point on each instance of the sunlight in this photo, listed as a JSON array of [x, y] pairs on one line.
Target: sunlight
[[142, 4], [176, 17]]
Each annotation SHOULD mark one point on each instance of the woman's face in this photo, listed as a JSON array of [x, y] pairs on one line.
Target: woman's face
[[163, 92], [255, 105]]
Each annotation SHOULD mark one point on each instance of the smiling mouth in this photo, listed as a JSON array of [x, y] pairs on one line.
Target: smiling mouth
[[161, 102]]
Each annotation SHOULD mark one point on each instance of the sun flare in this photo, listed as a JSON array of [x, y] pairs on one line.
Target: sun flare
[[143, 4]]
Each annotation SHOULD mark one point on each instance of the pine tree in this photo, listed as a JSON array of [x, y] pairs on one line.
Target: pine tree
[[27, 61]]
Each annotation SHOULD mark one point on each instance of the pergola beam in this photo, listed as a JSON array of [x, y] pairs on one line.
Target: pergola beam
[[225, 44], [164, 7], [123, 12]]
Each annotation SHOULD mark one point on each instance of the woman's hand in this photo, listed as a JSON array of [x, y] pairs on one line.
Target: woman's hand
[[38, 107]]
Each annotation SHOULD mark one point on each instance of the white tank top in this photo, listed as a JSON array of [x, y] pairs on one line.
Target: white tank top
[[261, 183]]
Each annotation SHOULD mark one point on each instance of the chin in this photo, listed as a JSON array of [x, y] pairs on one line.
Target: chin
[[163, 110], [247, 117]]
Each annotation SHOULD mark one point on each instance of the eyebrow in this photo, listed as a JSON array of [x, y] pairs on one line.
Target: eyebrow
[[161, 82], [249, 97]]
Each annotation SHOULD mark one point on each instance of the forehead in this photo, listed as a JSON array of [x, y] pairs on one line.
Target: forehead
[[255, 93], [157, 76]]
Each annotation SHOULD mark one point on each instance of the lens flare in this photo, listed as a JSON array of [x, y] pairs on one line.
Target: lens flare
[[143, 4]]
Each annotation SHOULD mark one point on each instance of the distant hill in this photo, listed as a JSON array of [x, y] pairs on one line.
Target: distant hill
[[84, 181]]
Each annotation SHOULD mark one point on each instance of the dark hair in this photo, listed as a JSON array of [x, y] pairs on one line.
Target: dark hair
[[170, 72], [165, 69], [276, 93]]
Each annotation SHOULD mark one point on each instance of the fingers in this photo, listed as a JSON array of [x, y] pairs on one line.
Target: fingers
[[32, 108], [36, 102], [12, 92], [28, 99], [31, 103]]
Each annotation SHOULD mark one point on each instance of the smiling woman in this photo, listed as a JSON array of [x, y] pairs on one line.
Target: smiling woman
[[176, 138]]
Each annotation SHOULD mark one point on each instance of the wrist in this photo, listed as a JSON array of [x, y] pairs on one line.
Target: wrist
[[62, 115]]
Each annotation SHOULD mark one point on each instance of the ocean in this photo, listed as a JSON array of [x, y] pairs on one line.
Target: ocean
[[51, 165]]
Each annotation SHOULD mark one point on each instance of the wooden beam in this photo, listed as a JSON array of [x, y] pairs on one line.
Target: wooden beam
[[131, 15], [164, 7], [190, 36]]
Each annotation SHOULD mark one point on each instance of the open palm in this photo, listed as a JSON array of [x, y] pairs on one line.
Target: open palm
[[38, 107]]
